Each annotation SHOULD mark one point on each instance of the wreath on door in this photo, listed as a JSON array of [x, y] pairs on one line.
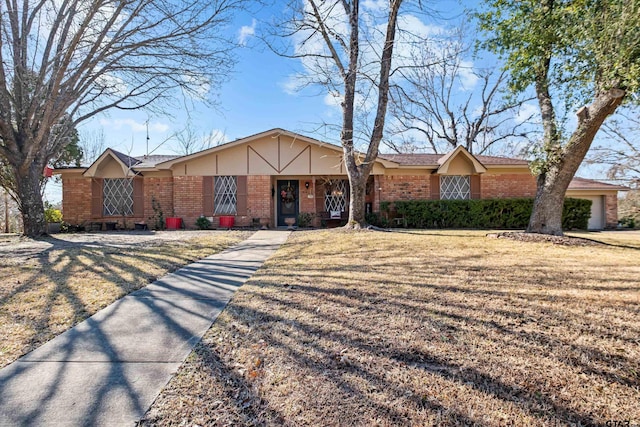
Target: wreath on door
[[288, 194]]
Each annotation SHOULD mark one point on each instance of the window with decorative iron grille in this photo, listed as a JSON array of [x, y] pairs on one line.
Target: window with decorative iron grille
[[336, 197], [224, 201], [117, 197], [455, 187]]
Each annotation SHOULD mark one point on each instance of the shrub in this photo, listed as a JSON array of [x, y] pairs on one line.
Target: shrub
[[304, 219], [203, 223], [376, 219], [65, 227], [628, 221], [52, 215], [576, 214], [485, 213]]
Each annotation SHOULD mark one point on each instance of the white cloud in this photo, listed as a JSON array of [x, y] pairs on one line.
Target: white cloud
[[376, 5], [198, 85], [291, 86], [333, 100], [215, 137], [118, 124], [468, 79], [526, 112], [247, 31]]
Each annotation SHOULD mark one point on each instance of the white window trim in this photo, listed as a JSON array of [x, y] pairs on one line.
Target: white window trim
[[225, 200], [117, 197], [455, 187]]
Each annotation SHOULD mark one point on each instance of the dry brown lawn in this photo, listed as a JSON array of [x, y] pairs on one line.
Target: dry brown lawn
[[423, 328], [49, 285]]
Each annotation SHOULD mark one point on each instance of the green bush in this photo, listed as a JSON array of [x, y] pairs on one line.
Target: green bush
[[203, 223], [576, 214], [376, 219], [304, 219], [65, 227], [52, 215], [628, 221], [485, 213]]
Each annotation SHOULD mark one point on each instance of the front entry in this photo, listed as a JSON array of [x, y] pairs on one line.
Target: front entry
[[288, 202]]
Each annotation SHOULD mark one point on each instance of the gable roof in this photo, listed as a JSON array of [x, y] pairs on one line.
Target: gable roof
[[126, 162], [446, 160], [154, 159], [578, 183], [275, 132]]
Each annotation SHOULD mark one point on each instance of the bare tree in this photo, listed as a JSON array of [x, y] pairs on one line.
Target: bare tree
[[63, 62], [348, 52], [620, 151], [448, 102], [93, 143], [190, 140]]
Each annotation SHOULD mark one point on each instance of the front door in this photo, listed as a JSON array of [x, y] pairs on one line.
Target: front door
[[288, 202]]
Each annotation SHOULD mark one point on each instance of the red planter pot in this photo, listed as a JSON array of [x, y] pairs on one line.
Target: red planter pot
[[227, 221], [174, 223]]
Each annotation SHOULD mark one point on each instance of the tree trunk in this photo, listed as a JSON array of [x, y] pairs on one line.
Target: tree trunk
[[563, 163], [30, 198], [546, 217], [357, 192]]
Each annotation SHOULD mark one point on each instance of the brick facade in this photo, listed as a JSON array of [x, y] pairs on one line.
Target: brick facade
[[611, 210], [308, 204], [259, 200], [403, 187], [187, 199], [76, 200], [494, 186], [158, 198], [181, 196]]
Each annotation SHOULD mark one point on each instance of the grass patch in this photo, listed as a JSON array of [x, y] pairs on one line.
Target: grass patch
[[421, 328], [52, 284]]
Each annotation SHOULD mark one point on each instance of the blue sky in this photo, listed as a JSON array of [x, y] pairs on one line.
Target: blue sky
[[254, 99], [257, 97]]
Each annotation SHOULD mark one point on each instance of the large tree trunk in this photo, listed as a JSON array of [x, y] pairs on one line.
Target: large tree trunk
[[563, 163], [30, 201], [357, 192]]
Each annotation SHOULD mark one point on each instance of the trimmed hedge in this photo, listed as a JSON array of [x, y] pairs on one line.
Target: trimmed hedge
[[484, 213]]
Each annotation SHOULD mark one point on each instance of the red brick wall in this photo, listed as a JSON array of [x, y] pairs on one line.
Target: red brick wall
[[187, 199], [502, 186], [307, 204], [417, 187], [404, 187], [76, 200], [160, 189], [611, 211], [258, 198]]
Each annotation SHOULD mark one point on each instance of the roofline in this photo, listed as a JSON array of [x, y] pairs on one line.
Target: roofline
[[279, 131], [112, 153], [64, 169], [601, 186]]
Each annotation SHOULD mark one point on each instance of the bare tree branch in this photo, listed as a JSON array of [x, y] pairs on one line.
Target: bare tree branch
[[64, 61]]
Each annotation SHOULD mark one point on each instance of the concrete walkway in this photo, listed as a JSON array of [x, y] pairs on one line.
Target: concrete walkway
[[108, 370]]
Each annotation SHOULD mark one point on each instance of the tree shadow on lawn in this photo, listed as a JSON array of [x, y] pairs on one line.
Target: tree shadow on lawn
[[420, 345], [346, 385], [64, 284]]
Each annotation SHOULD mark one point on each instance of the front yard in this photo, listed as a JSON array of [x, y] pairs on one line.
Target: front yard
[[422, 328], [49, 285]]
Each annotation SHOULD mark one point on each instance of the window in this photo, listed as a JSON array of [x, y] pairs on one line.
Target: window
[[455, 187], [225, 200], [336, 197], [117, 197]]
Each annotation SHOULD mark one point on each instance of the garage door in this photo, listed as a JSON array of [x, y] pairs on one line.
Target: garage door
[[596, 222]]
